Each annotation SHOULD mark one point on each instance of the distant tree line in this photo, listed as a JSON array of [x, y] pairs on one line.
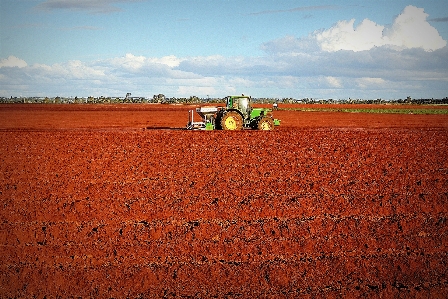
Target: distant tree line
[[162, 99]]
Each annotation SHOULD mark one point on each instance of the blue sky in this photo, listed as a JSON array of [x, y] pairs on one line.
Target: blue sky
[[265, 48]]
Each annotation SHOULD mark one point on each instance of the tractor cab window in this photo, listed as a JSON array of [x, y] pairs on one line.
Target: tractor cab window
[[230, 102], [243, 105]]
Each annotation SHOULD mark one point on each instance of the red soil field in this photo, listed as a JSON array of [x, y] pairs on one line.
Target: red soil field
[[105, 201]]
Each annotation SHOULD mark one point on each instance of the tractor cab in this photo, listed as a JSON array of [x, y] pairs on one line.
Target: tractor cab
[[240, 103]]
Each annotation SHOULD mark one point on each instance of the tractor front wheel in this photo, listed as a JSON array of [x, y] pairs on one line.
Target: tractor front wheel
[[266, 124], [232, 120]]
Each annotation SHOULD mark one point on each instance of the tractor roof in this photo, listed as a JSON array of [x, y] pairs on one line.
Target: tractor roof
[[240, 97]]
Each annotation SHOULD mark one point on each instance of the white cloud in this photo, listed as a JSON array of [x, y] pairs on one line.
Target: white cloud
[[367, 82], [171, 61], [343, 36], [134, 63], [13, 61], [409, 30], [129, 62], [334, 82], [73, 69], [80, 70]]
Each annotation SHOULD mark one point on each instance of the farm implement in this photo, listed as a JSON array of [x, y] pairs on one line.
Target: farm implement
[[238, 114]]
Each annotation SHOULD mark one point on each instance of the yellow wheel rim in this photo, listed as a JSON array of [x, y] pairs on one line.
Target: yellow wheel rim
[[265, 126], [230, 123]]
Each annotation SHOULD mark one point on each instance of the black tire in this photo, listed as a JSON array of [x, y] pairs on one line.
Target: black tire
[[231, 120], [218, 121], [266, 123], [254, 124]]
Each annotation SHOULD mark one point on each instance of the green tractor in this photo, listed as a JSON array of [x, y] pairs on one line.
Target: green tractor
[[238, 114]]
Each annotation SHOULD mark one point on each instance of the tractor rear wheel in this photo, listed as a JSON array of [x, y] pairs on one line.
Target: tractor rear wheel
[[266, 123], [232, 120]]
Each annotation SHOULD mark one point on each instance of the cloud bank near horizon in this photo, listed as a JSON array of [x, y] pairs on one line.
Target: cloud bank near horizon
[[366, 61]]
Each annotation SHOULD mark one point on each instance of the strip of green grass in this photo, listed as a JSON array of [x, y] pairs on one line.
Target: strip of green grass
[[373, 110]]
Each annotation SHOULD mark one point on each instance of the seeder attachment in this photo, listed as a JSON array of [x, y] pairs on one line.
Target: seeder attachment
[[207, 115]]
